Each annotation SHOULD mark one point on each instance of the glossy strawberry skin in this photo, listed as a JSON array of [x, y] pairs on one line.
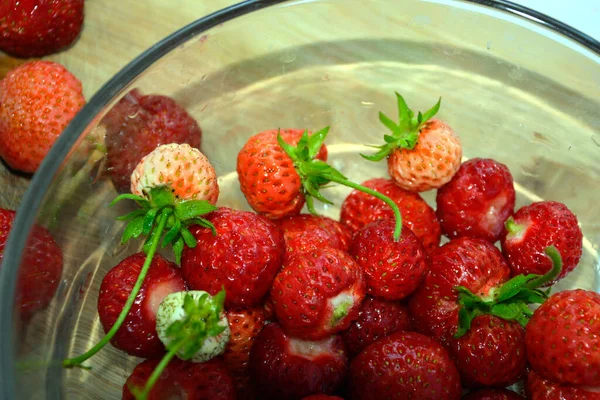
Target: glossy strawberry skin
[[545, 223], [393, 269], [35, 28], [377, 318], [477, 201], [431, 163], [243, 257], [40, 271], [538, 388], [39, 99], [491, 353], [304, 290], [138, 124], [360, 209], [267, 176], [563, 338], [404, 365], [183, 380], [137, 336], [285, 368], [493, 394], [305, 232], [470, 262]]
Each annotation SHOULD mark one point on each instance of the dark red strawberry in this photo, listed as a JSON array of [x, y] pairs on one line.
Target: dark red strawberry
[[538, 388], [493, 394], [473, 263], [535, 227], [183, 380], [318, 293], [404, 365], [393, 269], [563, 338], [359, 209], [306, 232], [322, 397], [35, 28], [137, 336], [491, 353], [477, 201], [377, 318], [283, 367], [138, 124], [39, 272], [244, 256]]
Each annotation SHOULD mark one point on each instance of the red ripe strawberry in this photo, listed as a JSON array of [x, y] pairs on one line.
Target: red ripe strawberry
[[493, 394], [322, 397], [137, 336], [538, 388], [283, 367], [422, 153], [473, 263], [307, 232], [404, 365], [183, 380], [267, 176], [563, 338], [393, 269], [318, 293], [477, 201], [532, 229], [41, 268], [38, 100], [377, 318], [35, 28], [138, 124], [244, 256], [359, 209], [491, 353]]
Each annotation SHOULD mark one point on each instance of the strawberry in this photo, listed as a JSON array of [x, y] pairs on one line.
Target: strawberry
[[318, 293], [491, 353], [38, 100], [493, 394], [562, 338], [267, 175], [359, 209], [35, 28], [138, 335], [283, 367], [183, 380], [377, 318], [244, 256], [404, 365], [321, 397], [422, 153], [138, 124], [393, 269], [538, 388], [40, 271], [307, 232], [536, 226], [477, 201]]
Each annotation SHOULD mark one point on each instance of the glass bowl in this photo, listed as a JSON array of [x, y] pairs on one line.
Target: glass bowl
[[516, 86]]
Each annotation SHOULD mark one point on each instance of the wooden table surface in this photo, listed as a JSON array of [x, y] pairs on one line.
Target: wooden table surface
[[114, 33]]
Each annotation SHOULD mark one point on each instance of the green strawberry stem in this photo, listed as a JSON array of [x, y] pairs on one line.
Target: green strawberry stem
[[202, 319], [509, 301], [512, 227], [405, 133], [161, 212], [315, 173]]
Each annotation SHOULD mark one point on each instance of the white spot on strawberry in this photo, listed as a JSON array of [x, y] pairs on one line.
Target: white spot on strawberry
[[311, 349]]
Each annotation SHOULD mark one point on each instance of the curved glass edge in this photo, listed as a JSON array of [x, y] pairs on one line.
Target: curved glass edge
[[51, 164]]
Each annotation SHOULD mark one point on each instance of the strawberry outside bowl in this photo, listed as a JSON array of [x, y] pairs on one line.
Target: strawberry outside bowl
[[516, 86]]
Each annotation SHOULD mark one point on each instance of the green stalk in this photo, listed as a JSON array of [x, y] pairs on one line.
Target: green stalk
[[77, 361], [549, 276]]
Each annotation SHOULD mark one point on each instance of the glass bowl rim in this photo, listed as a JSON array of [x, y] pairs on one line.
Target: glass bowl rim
[[51, 164]]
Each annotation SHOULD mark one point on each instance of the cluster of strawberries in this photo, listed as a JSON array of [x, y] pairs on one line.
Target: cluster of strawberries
[[280, 304]]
